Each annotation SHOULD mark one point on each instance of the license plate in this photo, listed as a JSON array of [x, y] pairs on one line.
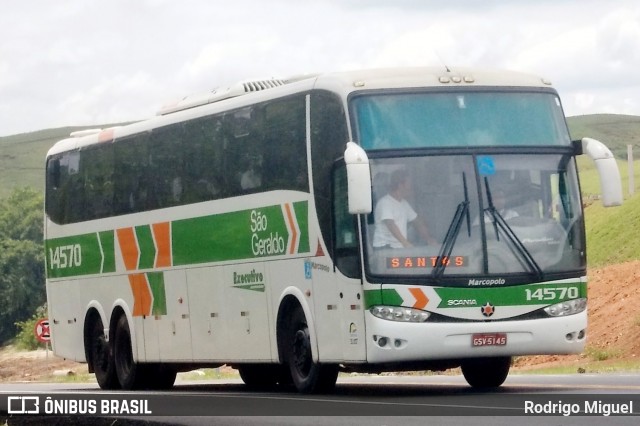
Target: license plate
[[489, 339]]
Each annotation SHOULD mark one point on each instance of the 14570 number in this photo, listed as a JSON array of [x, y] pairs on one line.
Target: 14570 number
[[550, 293], [65, 256]]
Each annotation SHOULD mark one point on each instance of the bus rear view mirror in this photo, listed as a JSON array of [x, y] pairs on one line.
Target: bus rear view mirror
[[610, 183], [358, 179]]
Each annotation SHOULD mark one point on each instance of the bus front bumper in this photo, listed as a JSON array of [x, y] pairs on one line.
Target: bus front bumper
[[390, 341]]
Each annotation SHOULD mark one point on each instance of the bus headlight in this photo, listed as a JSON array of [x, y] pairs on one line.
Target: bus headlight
[[397, 313], [569, 307]]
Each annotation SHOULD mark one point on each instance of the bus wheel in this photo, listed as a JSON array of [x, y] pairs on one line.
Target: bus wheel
[[486, 372], [159, 376], [259, 375], [307, 376], [102, 357], [130, 374]]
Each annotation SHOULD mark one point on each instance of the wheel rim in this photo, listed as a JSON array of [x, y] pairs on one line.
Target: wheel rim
[[302, 358], [100, 353]]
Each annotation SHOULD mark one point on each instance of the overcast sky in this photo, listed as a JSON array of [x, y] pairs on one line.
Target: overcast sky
[[90, 62]]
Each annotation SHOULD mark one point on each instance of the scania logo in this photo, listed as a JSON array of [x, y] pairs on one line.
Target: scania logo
[[487, 309], [462, 302]]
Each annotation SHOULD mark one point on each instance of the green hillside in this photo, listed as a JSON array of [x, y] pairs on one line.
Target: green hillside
[[22, 156], [616, 131], [612, 233]]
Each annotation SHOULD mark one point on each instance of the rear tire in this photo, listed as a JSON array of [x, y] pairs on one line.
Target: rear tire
[[307, 376], [101, 354], [486, 372], [131, 375]]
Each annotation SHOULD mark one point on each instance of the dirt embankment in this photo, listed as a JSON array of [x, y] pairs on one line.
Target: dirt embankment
[[614, 320], [613, 333]]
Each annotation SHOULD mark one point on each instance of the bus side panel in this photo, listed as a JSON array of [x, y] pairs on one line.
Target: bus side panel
[[209, 338], [66, 327], [174, 333], [246, 315]]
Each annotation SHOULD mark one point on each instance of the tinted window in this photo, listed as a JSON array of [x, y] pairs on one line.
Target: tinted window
[[253, 149]]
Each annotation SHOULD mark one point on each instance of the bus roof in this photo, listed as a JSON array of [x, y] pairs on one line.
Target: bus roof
[[343, 83]]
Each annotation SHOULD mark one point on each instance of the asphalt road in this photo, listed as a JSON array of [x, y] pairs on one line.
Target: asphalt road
[[357, 400]]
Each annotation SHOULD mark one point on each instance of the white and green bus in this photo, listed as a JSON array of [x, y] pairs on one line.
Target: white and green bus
[[239, 227]]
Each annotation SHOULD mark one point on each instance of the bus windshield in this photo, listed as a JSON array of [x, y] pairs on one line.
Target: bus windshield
[[480, 118], [476, 215]]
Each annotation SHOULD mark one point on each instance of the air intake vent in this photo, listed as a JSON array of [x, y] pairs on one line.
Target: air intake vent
[[255, 86], [220, 94]]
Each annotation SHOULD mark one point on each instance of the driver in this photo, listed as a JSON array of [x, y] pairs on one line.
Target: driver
[[393, 214]]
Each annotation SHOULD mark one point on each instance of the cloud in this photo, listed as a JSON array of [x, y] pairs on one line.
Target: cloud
[[74, 63]]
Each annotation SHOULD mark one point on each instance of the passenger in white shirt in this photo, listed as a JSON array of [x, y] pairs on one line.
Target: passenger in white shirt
[[393, 214]]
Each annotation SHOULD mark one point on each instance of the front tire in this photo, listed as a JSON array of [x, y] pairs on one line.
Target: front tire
[[307, 376], [486, 372]]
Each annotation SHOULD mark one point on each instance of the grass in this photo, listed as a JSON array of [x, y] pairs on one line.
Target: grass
[[591, 367], [210, 374], [612, 232], [600, 354], [200, 374]]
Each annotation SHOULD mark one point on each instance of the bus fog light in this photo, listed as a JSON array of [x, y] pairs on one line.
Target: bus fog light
[[569, 307], [397, 313]]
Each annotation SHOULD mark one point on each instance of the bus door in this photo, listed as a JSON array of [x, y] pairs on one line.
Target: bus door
[[346, 273]]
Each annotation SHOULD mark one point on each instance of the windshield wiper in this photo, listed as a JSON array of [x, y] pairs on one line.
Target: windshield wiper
[[501, 223], [449, 241]]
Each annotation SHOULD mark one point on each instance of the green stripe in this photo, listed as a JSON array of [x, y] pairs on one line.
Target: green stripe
[[108, 244], [520, 295], [301, 211], [533, 294], [156, 284], [245, 234], [71, 256], [260, 232], [387, 296], [146, 246]]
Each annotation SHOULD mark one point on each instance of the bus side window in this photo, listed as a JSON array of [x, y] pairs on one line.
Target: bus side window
[[97, 163], [55, 193]]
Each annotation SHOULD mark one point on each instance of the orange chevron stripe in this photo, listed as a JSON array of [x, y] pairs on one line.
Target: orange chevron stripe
[[162, 237], [142, 298], [292, 224], [128, 247], [421, 298]]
